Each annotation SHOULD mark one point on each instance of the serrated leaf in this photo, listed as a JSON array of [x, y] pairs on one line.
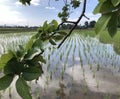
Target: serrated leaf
[[115, 2], [23, 89], [5, 81], [112, 25], [32, 73], [97, 8], [4, 59], [52, 42], [102, 23]]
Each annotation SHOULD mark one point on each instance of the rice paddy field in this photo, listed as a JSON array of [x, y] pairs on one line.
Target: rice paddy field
[[82, 68]]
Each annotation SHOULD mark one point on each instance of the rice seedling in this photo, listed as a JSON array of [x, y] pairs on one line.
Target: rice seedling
[[98, 67], [90, 66], [0, 95], [47, 80], [48, 66], [64, 67], [119, 94], [85, 89], [73, 59], [57, 66], [38, 94], [51, 74], [10, 94], [94, 74], [83, 73], [61, 56], [107, 96], [97, 83]]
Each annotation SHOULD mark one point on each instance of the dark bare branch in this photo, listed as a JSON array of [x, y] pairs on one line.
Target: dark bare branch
[[76, 23]]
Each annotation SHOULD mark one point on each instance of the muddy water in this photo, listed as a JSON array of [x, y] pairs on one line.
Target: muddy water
[[82, 68]]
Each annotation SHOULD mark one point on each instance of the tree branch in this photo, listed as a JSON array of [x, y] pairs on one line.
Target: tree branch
[[75, 24]]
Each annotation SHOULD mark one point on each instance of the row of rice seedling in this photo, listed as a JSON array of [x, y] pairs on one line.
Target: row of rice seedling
[[78, 59]]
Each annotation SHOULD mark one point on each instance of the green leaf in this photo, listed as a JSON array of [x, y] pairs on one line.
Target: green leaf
[[58, 37], [4, 59], [97, 8], [20, 52], [32, 73], [32, 53], [102, 23], [35, 62], [23, 89], [45, 26], [52, 42], [55, 23], [118, 20], [38, 43], [5, 81], [30, 43], [107, 7], [13, 67], [37, 48], [25, 2], [102, 0], [115, 2], [42, 59], [112, 25]]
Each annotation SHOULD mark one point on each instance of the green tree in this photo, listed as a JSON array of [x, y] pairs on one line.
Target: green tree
[[26, 63], [86, 24], [92, 24]]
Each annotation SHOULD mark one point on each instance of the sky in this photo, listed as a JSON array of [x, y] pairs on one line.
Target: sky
[[14, 13]]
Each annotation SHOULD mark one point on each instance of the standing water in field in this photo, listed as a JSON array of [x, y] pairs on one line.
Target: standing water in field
[[82, 68]]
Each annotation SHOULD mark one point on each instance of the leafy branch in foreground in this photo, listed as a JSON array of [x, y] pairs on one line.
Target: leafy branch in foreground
[[110, 15], [26, 63]]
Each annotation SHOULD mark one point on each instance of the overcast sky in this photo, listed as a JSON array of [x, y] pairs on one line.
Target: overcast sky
[[13, 13]]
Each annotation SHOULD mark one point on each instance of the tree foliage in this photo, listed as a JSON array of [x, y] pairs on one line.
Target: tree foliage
[[26, 63], [110, 14]]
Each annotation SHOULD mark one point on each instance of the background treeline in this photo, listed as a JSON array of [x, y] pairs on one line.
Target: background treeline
[[86, 25]]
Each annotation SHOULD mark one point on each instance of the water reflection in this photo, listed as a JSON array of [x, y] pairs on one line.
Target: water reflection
[[82, 68]]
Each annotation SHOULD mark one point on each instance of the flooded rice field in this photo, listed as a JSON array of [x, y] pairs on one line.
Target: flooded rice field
[[82, 68]]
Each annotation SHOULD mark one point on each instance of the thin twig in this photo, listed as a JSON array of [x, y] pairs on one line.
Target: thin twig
[[86, 17], [76, 23]]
